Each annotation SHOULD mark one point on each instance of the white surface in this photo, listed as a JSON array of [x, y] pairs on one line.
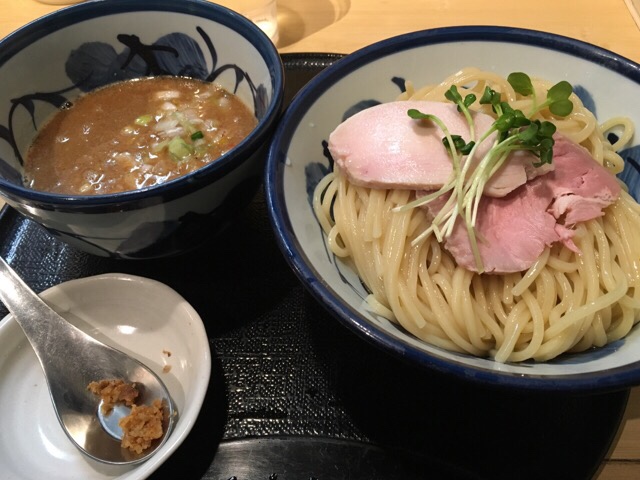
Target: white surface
[[142, 317]]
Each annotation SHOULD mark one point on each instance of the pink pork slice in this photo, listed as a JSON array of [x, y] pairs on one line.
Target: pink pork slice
[[382, 147], [517, 228]]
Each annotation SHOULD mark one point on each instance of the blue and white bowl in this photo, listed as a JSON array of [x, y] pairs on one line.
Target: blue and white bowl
[[60, 56], [607, 84]]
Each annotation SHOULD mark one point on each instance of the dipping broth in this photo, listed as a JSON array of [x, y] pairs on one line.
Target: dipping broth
[[135, 134]]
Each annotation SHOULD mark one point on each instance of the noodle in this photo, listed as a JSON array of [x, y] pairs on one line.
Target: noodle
[[563, 302]]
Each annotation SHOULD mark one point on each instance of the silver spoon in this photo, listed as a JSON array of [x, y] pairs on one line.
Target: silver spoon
[[71, 359]]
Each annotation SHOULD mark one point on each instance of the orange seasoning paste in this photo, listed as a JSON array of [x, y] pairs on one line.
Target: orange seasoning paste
[[135, 134]]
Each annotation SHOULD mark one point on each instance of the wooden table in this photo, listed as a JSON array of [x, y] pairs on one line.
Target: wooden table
[[342, 26]]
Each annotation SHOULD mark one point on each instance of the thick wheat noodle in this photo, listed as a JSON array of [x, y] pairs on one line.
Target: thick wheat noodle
[[564, 302]]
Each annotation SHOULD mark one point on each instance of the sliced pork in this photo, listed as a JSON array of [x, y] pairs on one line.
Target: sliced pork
[[515, 229], [382, 147]]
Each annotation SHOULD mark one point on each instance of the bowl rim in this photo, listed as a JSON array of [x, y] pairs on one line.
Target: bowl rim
[[16, 41], [604, 380]]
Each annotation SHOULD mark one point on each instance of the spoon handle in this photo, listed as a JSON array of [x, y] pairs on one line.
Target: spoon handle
[[51, 336]]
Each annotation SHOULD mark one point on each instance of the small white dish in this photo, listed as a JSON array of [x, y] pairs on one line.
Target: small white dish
[[142, 317]]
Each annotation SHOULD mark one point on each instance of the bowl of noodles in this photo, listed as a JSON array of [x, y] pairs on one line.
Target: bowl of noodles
[[540, 299]]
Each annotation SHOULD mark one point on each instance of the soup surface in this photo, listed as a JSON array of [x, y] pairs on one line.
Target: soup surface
[[135, 134]]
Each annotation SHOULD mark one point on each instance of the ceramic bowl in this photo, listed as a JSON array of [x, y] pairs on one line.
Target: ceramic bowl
[[376, 74], [60, 56], [142, 317]]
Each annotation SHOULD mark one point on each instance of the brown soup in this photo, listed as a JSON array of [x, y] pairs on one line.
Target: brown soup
[[135, 134]]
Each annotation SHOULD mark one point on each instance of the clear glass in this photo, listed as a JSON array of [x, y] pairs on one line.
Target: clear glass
[[634, 10], [263, 13], [60, 2]]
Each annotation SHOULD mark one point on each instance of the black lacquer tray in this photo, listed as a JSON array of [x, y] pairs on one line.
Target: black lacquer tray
[[295, 396]]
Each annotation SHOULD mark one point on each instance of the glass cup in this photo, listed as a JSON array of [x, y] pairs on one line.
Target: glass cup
[[60, 2], [263, 13]]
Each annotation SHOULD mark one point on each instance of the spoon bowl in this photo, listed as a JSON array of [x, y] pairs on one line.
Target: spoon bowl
[[71, 359]]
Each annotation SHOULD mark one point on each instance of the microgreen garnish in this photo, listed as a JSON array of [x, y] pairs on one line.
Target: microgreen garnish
[[557, 96], [521, 83], [558, 99], [463, 105], [514, 131]]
